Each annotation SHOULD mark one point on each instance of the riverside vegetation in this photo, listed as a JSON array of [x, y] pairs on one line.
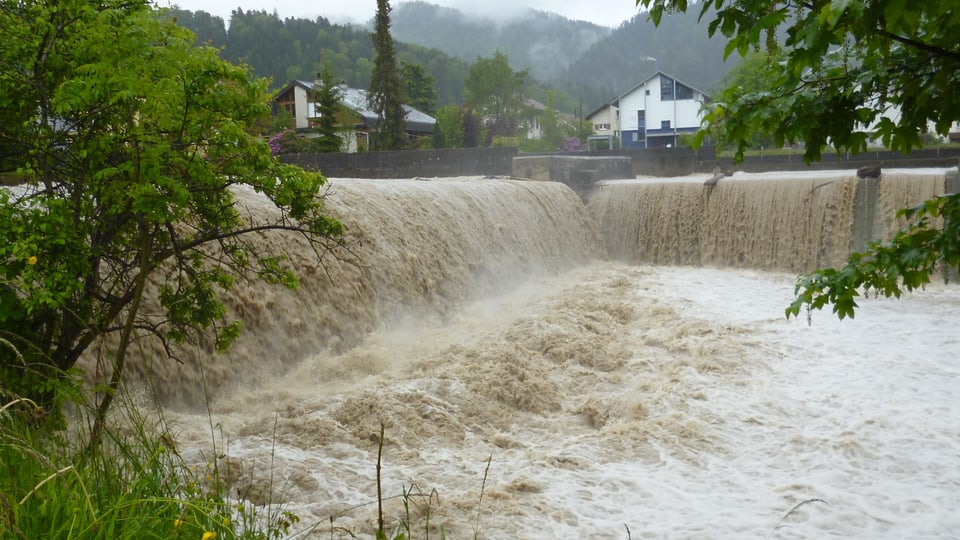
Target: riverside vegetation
[[137, 485]]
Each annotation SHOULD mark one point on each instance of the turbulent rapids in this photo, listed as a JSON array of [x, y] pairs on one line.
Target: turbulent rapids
[[538, 369]]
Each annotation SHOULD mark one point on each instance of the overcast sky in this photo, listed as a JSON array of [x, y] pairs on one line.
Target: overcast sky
[[604, 12]]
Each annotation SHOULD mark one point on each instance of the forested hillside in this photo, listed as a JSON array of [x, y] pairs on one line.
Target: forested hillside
[[633, 51], [583, 63], [290, 49], [542, 43]]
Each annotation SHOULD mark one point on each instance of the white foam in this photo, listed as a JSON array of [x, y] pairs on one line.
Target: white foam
[[722, 416]]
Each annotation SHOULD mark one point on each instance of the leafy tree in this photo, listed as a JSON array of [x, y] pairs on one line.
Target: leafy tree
[[130, 142], [419, 87], [904, 263], [328, 97], [386, 91], [496, 92], [208, 28], [552, 129], [755, 73], [473, 132], [845, 65], [448, 131]]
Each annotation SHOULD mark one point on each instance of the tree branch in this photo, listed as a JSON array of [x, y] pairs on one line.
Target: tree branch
[[936, 51]]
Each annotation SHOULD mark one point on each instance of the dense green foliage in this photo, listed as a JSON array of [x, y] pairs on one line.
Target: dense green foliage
[[448, 131], [495, 90], [851, 71], [289, 49], [553, 132], [130, 141], [755, 73], [419, 88], [386, 90]]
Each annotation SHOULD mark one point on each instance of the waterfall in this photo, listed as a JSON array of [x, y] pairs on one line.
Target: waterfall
[[788, 221], [479, 324]]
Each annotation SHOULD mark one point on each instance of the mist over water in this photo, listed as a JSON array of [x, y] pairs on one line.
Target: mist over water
[[420, 249], [676, 401]]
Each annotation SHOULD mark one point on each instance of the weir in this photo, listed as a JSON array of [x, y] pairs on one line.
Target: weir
[[788, 221], [419, 250], [422, 249], [482, 326]]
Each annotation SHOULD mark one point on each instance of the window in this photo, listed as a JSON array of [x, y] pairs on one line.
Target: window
[[641, 119], [665, 124], [684, 92], [635, 136], [666, 88], [601, 127]]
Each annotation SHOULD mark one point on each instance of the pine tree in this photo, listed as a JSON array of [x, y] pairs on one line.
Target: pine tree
[[386, 91], [419, 87], [328, 96]]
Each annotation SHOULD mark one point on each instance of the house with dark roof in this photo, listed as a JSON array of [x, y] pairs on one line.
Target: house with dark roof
[[357, 122], [652, 114]]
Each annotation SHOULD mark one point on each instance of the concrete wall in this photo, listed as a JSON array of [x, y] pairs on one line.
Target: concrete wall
[[410, 163], [645, 162], [684, 161], [578, 172]]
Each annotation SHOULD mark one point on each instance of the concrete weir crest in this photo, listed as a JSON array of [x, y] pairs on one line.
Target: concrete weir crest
[[578, 172]]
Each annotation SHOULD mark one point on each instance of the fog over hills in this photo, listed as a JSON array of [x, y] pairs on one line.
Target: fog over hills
[[543, 43], [585, 63]]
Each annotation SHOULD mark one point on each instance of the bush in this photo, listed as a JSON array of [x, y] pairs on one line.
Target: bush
[[288, 142]]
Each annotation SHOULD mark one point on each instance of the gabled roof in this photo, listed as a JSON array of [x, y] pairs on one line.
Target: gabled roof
[[355, 99], [656, 74], [615, 103]]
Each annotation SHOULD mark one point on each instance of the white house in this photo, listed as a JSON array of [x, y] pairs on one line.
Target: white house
[[654, 113]]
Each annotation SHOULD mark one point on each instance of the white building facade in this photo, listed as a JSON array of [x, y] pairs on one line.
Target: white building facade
[[657, 111]]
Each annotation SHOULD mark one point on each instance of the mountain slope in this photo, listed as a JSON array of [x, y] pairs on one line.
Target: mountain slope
[[542, 43], [586, 64], [679, 46]]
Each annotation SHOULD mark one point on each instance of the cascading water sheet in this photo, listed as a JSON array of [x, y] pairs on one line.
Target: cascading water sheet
[[792, 221], [543, 393]]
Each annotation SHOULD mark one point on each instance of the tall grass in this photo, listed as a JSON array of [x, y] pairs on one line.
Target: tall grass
[[134, 484]]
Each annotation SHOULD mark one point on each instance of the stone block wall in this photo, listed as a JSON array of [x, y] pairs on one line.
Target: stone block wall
[[409, 163]]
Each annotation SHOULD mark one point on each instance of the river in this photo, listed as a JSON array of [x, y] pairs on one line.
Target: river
[[530, 387]]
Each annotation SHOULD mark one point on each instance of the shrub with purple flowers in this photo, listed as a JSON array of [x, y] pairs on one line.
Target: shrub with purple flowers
[[286, 142], [274, 142], [572, 144]]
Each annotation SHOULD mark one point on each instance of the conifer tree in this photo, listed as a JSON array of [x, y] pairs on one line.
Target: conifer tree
[[328, 96], [419, 87], [386, 91]]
